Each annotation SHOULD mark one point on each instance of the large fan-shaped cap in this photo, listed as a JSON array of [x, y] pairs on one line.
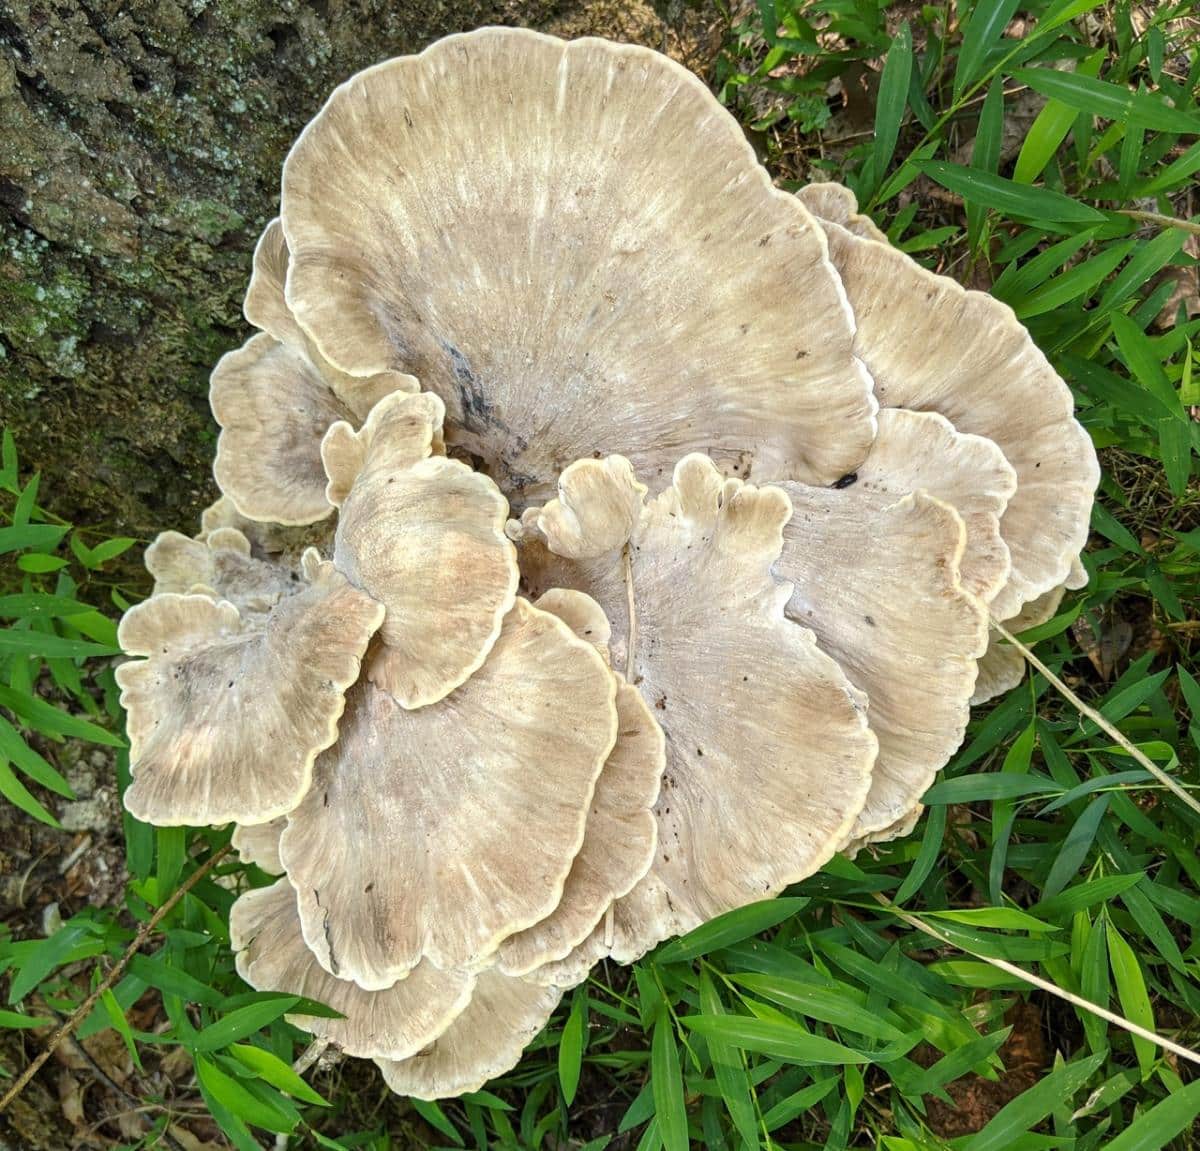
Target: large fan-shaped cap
[[878, 582], [425, 536], [225, 715], [264, 930], [221, 565], [441, 831], [768, 752], [621, 831], [574, 246], [486, 1040], [932, 345]]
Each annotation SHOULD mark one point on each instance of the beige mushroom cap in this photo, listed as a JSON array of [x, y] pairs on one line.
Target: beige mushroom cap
[[837, 204], [273, 407], [582, 614], [473, 808], [574, 246], [425, 536], [900, 829], [486, 1040], [264, 930], [225, 716], [621, 831], [768, 752], [931, 345], [599, 503], [220, 565], [878, 582], [922, 451], [258, 843], [281, 545], [266, 308], [1002, 666], [276, 396]]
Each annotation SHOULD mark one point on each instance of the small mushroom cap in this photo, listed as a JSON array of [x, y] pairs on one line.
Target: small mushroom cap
[[562, 282], [878, 582], [220, 563], [1002, 666], [901, 829], [425, 536], [837, 204], [258, 843], [917, 451], [283, 544], [276, 396], [598, 505], [273, 407], [768, 752], [486, 1040], [582, 614], [931, 345], [225, 717], [266, 308], [474, 808], [621, 831], [264, 929]]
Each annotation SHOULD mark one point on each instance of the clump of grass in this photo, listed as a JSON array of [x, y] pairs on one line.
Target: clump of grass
[[895, 1000]]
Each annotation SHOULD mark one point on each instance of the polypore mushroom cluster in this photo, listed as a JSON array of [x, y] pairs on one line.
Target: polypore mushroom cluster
[[608, 538]]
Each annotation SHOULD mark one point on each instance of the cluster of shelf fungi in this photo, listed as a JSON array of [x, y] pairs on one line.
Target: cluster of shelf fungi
[[608, 538]]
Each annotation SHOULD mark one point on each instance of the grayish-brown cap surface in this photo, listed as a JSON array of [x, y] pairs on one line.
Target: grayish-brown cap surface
[[768, 752], [931, 345], [486, 1040], [473, 808], [220, 565], [621, 831], [425, 536], [226, 716], [574, 246], [264, 930], [878, 582]]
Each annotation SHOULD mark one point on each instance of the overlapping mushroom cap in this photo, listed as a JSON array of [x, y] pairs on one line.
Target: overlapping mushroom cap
[[768, 477], [573, 245]]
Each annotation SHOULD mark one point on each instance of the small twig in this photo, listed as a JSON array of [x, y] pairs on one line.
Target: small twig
[[1161, 221], [1045, 985], [310, 1055], [85, 1008], [1108, 728]]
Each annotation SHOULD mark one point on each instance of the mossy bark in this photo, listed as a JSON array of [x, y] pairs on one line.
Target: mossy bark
[[140, 152]]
